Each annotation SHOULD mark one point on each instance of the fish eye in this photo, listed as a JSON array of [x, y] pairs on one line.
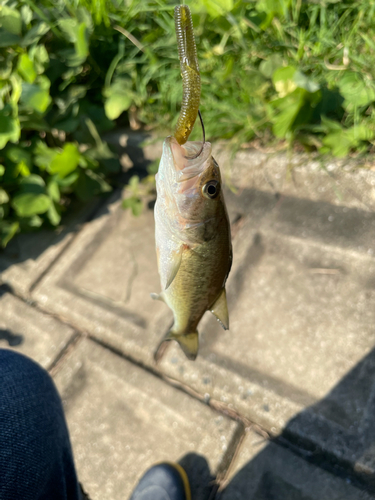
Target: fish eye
[[211, 189]]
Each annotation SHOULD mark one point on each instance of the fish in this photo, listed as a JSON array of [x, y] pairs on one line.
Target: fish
[[193, 240]]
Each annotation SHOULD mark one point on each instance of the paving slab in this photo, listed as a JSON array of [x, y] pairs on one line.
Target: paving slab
[[341, 182], [123, 419], [102, 283], [299, 354], [264, 471], [26, 330], [29, 255]]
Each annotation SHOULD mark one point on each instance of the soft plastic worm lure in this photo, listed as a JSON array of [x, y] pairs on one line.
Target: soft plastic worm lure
[[191, 80]]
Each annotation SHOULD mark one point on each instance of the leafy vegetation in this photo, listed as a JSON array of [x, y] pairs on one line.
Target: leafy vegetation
[[70, 70]]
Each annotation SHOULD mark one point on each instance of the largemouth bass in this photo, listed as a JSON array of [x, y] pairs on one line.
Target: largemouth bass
[[193, 242]]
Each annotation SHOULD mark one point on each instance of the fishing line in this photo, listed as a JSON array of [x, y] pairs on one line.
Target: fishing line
[[203, 140]]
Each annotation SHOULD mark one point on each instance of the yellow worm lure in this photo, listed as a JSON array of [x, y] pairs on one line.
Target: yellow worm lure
[[191, 81]]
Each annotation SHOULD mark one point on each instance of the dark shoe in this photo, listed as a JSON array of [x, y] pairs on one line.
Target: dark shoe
[[165, 481]]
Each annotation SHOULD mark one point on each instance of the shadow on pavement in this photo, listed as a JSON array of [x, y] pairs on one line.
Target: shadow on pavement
[[292, 467], [13, 339]]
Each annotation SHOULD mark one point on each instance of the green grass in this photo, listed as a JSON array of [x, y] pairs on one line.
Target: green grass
[[279, 70], [273, 71]]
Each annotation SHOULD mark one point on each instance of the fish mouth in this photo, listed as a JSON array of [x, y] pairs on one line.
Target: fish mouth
[[185, 168]]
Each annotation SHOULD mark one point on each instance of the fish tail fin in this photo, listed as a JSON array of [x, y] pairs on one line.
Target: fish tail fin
[[188, 342]]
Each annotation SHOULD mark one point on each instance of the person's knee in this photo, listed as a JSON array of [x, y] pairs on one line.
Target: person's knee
[[15, 365], [34, 442], [22, 378], [28, 395]]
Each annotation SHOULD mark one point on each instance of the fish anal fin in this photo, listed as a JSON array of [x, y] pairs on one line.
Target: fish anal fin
[[175, 259], [220, 310]]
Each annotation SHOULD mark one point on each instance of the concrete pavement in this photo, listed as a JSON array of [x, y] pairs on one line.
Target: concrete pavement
[[282, 405]]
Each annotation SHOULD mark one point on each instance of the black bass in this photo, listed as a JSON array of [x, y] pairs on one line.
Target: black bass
[[193, 241]]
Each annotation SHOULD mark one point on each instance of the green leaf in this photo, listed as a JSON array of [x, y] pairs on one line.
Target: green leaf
[[330, 125], [274, 7], [68, 180], [285, 119], [4, 198], [53, 215], [31, 196], [81, 44], [35, 97], [35, 34], [288, 109], [23, 169], [65, 161], [283, 80], [217, 8], [90, 184], [134, 203], [76, 33], [134, 183], [356, 90], [44, 155], [18, 155], [2, 170], [26, 68], [268, 67], [27, 204], [6, 68], [31, 222], [337, 143], [69, 125], [7, 232], [33, 183], [303, 82], [118, 99], [341, 142], [16, 82], [9, 127], [53, 190], [10, 20], [40, 58], [69, 27], [7, 39], [26, 14]]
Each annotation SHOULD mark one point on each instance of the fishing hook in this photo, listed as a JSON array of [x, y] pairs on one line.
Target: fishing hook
[[203, 142]]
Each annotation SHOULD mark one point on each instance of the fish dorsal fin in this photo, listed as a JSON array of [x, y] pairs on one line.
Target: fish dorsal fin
[[175, 259], [220, 309]]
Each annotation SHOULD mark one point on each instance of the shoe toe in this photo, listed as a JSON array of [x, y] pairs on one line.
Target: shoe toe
[[162, 482]]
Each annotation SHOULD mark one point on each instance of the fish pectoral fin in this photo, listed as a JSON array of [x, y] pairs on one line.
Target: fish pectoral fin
[[188, 342], [220, 310], [175, 263], [157, 296]]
